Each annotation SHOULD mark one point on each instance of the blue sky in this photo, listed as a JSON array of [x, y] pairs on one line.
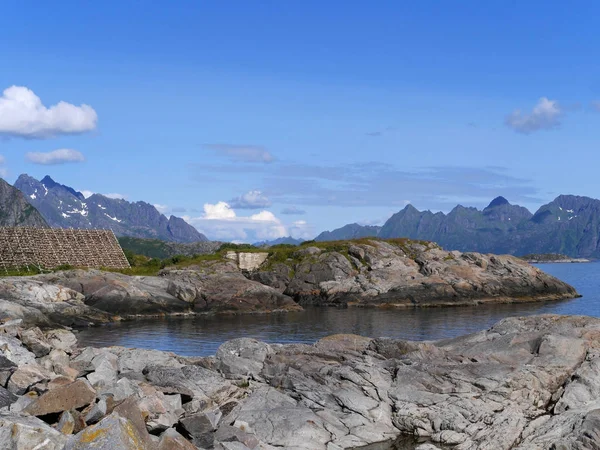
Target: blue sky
[[256, 119]]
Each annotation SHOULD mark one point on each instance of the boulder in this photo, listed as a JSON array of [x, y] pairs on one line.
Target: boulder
[[111, 433], [63, 398], [23, 401], [161, 410], [12, 349], [105, 372], [97, 411], [121, 389], [58, 362], [201, 427], [25, 377], [7, 398], [66, 423], [36, 342], [172, 440], [7, 368], [21, 432], [130, 410], [61, 339]]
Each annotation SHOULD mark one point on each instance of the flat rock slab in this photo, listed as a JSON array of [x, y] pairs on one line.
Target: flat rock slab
[[63, 398]]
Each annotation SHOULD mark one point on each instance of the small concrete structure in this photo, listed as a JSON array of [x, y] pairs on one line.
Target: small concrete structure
[[247, 260]]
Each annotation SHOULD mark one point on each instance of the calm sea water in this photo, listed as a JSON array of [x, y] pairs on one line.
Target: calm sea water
[[202, 336]]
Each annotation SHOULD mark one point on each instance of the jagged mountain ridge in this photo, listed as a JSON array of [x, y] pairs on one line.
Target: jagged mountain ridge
[[64, 207], [569, 225], [289, 240], [15, 211], [350, 231]]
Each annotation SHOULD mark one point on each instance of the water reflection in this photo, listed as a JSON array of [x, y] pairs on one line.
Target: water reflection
[[202, 336]]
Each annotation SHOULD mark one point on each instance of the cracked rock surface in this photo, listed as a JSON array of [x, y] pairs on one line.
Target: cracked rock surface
[[526, 383]]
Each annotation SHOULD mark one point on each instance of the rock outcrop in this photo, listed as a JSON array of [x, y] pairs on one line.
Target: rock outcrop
[[526, 383], [406, 273], [38, 302], [215, 288], [367, 272]]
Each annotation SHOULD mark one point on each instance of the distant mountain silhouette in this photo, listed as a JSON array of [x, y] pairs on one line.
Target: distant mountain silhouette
[[350, 231], [282, 240], [568, 225]]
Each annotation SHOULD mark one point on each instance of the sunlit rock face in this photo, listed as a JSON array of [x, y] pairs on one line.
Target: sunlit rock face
[[247, 260]]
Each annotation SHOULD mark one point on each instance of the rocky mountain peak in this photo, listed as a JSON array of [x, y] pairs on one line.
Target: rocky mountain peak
[[15, 210], [498, 201], [49, 183], [64, 207]]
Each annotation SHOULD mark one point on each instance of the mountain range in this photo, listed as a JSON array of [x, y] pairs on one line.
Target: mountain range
[[64, 207], [569, 225], [287, 240]]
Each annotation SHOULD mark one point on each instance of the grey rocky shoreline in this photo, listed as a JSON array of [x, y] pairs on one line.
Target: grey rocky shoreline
[[509, 387], [361, 273], [526, 383]]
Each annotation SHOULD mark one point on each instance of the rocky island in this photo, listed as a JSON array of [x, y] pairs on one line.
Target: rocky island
[[526, 383], [395, 273], [536, 258]]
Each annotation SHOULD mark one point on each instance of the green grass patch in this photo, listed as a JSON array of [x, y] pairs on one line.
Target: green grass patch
[[32, 270], [287, 254]]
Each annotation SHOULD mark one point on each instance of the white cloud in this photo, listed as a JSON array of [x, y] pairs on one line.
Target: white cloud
[[300, 229], [60, 156], [218, 211], [161, 208], [22, 114], [251, 200], [116, 196], [546, 115], [87, 193], [220, 222], [245, 153], [264, 216]]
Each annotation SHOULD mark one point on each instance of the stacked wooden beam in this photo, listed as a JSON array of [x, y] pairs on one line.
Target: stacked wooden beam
[[48, 248]]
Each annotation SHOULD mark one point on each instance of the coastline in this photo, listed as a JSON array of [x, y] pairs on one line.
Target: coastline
[[561, 261], [343, 392]]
